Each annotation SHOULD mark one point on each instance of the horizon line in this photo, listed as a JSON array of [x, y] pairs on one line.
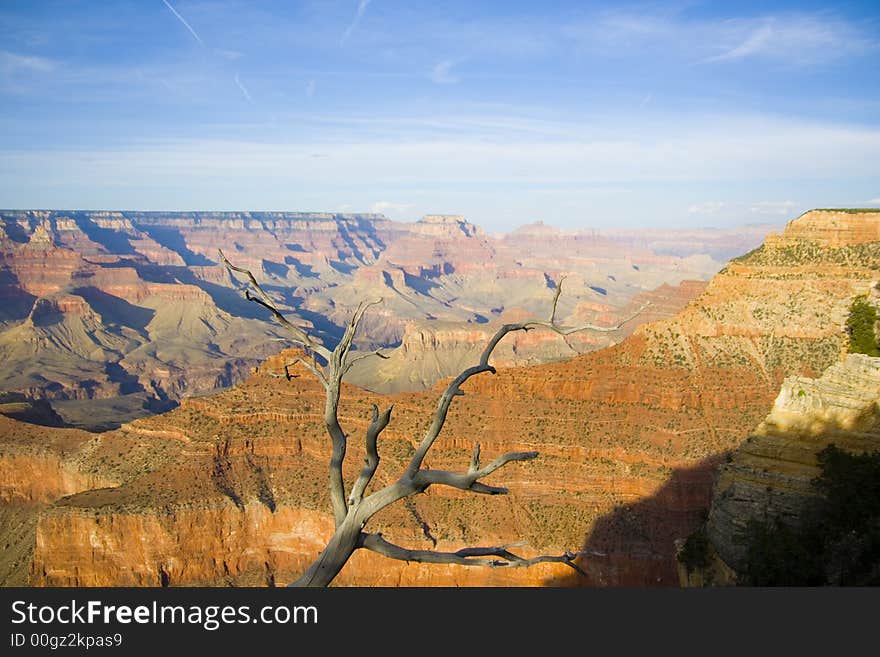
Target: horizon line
[[536, 222]]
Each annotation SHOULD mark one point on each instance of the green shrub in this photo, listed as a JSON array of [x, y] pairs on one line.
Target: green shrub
[[860, 326]]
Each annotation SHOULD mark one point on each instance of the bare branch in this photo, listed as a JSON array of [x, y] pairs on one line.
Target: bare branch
[[592, 327], [475, 459], [335, 370], [454, 390], [473, 556], [556, 300], [338, 440], [354, 359], [310, 366], [264, 300], [352, 515], [340, 354], [503, 460], [469, 480], [371, 463]]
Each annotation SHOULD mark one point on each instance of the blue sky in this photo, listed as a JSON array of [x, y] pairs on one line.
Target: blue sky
[[575, 113]]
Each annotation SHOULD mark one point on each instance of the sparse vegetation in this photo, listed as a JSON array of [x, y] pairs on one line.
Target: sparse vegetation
[[849, 210], [865, 255]]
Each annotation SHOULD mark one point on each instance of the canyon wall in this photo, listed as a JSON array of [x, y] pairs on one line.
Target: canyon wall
[[135, 309], [629, 439], [769, 476]]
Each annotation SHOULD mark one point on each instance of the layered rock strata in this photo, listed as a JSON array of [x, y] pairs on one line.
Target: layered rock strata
[[102, 305], [769, 476], [629, 438]]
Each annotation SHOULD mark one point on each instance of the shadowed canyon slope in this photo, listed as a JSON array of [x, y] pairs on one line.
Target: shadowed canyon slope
[[230, 488], [131, 310], [770, 474]]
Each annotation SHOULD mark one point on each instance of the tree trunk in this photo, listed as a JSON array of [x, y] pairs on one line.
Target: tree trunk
[[338, 551]]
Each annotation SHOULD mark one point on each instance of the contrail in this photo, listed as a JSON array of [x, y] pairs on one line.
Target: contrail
[[361, 10], [244, 91], [185, 24]]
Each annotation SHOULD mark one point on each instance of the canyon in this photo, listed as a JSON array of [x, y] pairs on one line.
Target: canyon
[[111, 315], [229, 488]]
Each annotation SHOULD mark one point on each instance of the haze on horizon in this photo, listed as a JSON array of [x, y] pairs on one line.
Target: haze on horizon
[[577, 114]]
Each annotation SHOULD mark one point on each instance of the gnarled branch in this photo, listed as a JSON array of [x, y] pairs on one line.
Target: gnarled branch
[[371, 462], [470, 480], [454, 388], [264, 300], [472, 556], [330, 376], [354, 359], [310, 366], [340, 354]]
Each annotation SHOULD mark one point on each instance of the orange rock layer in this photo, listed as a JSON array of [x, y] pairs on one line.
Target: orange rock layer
[[230, 488]]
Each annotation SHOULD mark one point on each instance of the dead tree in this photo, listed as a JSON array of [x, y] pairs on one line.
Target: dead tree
[[352, 511]]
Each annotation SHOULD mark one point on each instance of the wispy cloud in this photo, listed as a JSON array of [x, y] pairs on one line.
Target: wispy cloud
[[11, 62], [797, 38], [874, 201], [721, 151], [707, 207], [740, 208], [311, 85], [756, 42], [772, 207], [386, 206], [442, 72], [230, 55], [243, 89], [185, 24], [361, 10]]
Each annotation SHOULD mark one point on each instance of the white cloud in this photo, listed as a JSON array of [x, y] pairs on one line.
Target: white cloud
[[442, 72], [874, 201], [728, 152], [11, 62], [386, 206]]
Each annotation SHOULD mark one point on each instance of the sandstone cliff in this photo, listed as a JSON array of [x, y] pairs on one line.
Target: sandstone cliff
[[770, 474]]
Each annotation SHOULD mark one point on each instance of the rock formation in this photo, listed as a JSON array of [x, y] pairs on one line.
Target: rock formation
[[230, 488], [769, 475], [113, 315], [432, 351]]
